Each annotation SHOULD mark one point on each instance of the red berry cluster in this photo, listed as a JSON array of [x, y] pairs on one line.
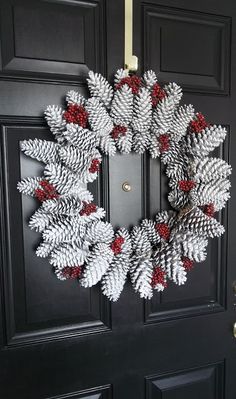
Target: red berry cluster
[[46, 192], [76, 114], [163, 230], [134, 82], [157, 94], [186, 185], [118, 131], [198, 124], [164, 140], [158, 277], [72, 272], [187, 263], [94, 167], [88, 209], [209, 210], [116, 245]]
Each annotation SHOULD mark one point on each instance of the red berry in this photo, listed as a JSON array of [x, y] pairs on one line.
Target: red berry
[[187, 263], [94, 167], [163, 230], [76, 114], [158, 277], [118, 131], [44, 183], [164, 142], [209, 210], [88, 209], [48, 191], [198, 124], [40, 195], [117, 244], [157, 94], [72, 272], [186, 185], [134, 82]]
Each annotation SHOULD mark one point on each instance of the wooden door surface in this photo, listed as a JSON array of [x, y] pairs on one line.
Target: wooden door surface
[[58, 340]]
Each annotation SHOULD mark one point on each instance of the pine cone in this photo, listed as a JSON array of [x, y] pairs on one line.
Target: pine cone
[[140, 142], [79, 137], [78, 161], [178, 199], [180, 122], [154, 146], [93, 217], [55, 120], [114, 279], [66, 229], [99, 232], [163, 116], [150, 79], [42, 150], [200, 144], [168, 217], [140, 243], [208, 169], [142, 111], [100, 88], [126, 248], [170, 261], [69, 205], [120, 74], [107, 145], [68, 254], [122, 106], [28, 185], [99, 119], [40, 220], [44, 249], [215, 192], [73, 97], [197, 222], [148, 226], [174, 91], [194, 247], [124, 143], [141, 277], [83, 194], [178, 170], [97, 264], [60, 177]]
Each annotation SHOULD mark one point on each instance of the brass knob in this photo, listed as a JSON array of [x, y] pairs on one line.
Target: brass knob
[[234, 330], [126, 187]]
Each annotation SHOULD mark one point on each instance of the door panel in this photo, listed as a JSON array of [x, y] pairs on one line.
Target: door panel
[[67, 29], [126, 207], [47, 48], [205, 290], [191, 45], [205, 383], [39, 306], [57, 339], [197, 67]]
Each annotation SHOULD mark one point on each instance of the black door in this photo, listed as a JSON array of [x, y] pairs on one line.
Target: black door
[[62, 341]]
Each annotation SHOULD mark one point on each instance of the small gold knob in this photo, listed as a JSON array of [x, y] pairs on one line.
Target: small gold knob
[[126, 187], [234, 330]]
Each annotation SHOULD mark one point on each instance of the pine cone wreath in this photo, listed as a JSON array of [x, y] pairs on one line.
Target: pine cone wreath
[[137, 114]]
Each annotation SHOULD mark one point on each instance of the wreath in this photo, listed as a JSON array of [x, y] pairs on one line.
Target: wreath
[[136, 115]]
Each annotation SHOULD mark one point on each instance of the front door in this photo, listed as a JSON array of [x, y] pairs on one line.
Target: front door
[[62, 341]]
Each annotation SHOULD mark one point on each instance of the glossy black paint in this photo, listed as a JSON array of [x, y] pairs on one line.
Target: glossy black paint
[[61, 341]]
